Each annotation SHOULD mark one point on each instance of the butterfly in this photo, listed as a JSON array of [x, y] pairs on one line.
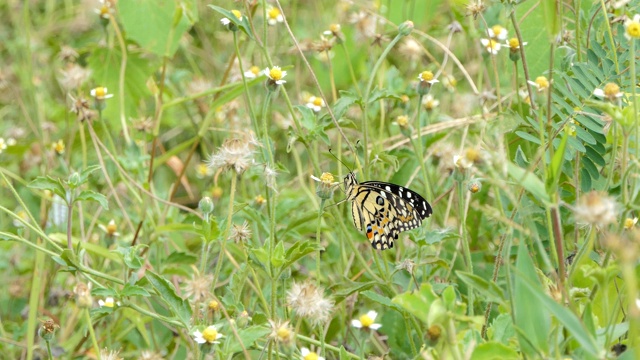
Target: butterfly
[[384, 210]]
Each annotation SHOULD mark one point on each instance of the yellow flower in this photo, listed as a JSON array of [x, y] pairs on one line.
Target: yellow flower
[[101, 93], [492, 46], [58, 147], [108, 302], [235, 13], [427, 76], [632, 28], [276, 75], [366, 321], [274, 16], [402, 121], [429, 102], [629, 223], [210, 335], [514, 44]]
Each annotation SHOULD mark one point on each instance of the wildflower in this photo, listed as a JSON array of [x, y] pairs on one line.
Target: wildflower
[[475, 8], [234, 154], [514, 48], [407, 265], [611, 92], [11, 142], [108, 302], [334, 29], [630, 223], [252, 73], [105, 11], [231, 26], [309, 355], [203, 170], [429, 102], [259, 200], [449, 82], [80, 107], [411, 50], [427, 79], [275, 75], [206, 206], [73, 76], [106, 354], [274, 16], [462, 162], [541, 83], [315, 103], [210, 335], [596, 209], [150, 355], [308, 301], [110, 229], [101, 93], [632, 28], [402, 121], [327, 185], [492, 46], [406, 28], [366, 321], [365, 25], [217, 192], [198, 287], [214, 305], [474, 186], [240, 233], [58, 147], [280, 331], [47, 329], [497, 32], [524, 95], [22, 215]]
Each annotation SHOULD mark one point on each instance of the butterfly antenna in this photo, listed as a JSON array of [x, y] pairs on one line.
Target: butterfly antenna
[[340, 161]]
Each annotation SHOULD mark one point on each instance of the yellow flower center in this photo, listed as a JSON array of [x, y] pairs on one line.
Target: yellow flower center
[[334, 28], [100, 92], [472, 154], [633, 29], [366, 320], [109, 302], [402, 120], [275, 73], [237, 14], [542, 82], [260, 200], [255, 70], [311, 356], [629, 223], [404, 99], [273, 13], [210, 334], [111, 227], [611, 90], [318, 101], [427, 75], [104, 11], [202, 169], [492, 44], [283, 333], [514, 43], [474, 188], [497, 29], [214, 305], [58, 147], [326, 178]]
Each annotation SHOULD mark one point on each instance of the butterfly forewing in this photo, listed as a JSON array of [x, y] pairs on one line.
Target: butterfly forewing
[[383, 210]]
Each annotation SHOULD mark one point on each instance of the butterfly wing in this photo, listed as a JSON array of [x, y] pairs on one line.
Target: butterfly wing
[[384, 210]]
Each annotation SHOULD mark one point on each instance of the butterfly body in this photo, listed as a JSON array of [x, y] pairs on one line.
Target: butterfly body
[[384, 210]]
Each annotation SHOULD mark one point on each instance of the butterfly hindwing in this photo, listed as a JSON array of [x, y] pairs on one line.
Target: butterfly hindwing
[[384, 210]]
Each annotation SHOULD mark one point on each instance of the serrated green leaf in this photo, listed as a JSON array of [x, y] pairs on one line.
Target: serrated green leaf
[[378, 94], [418, 303], [84, 174], [349, 288], [299, 250], [49, 183], [179, 307], [180, 258], [86, 195], [134, 290]]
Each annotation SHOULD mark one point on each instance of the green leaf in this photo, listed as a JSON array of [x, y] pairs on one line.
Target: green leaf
[[248, 336], [350, 288], [382, 300], [49, 183], [86, 195], [180, 258], [179, 307], [134, 290], [104, 292], [528, 137], [556, 165], [157, 25], [278, 258], [501, 329], [490, 291], [299, 250], [378, 94], [529, 181], [494, 351], [84, 174], [533, 319], [418, 303]]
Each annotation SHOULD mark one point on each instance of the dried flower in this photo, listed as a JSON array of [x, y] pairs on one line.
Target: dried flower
[[475, 8], [240, 233], [308, 301], [234, 154], [106, 354], [596, 209], [82, 292], [73, 76], [280, 331], [198, 287]]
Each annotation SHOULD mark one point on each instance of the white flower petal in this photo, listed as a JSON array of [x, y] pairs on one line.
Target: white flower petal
[[375, 326], [372, 314], [599, 93], [356, 324]]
